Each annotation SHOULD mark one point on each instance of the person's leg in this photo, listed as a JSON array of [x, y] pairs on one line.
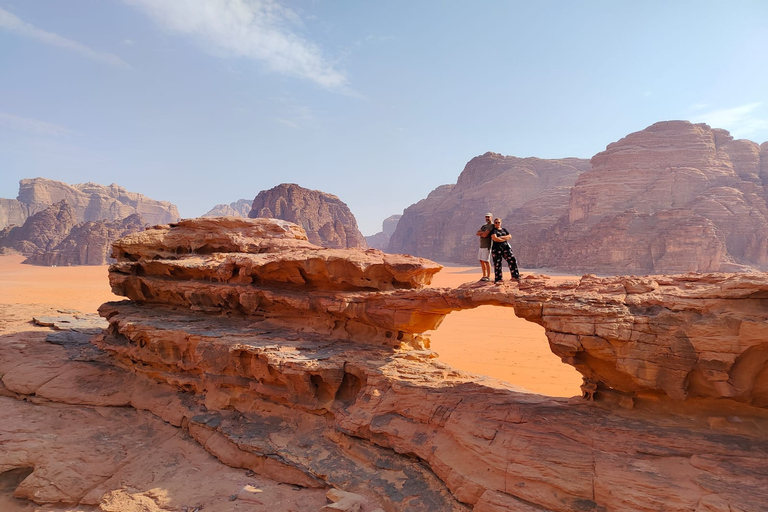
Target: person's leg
[[484, 255], [486, 266], [512, 262], [497, 265]]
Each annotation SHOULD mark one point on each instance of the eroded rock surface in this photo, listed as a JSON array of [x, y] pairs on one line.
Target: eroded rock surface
[[328, 382]]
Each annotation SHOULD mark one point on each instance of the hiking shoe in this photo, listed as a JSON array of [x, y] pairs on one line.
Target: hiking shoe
[[485, 279]]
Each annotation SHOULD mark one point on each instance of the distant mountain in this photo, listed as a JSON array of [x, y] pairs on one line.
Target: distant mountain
[[442, 227], [240, 208], [42, 231], [54, 237], [381, 239], [89, 202], [674, 197], [53, 223], [326, 219], [88, 243]]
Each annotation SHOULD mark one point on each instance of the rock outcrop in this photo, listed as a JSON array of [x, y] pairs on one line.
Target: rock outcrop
[[240, 208], [311, 365], [442, 227], [673, 198], [89, 202], [381, 239], [89, 243], [325, 218], [42, 231], [53, 237]]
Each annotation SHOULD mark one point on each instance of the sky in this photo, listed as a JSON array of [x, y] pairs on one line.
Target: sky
[[204, 102]]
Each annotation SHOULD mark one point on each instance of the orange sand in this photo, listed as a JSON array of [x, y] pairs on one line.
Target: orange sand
[[83, 288], [488, 340]]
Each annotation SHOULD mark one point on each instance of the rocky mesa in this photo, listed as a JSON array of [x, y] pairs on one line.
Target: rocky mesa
[[310, 365]]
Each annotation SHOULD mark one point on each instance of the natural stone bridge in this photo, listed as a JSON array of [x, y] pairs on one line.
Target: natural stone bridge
[[310, 365]]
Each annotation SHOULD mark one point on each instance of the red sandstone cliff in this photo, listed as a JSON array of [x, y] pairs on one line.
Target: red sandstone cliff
[[89, 202], [442, 226], [326, 219], [674, 197]]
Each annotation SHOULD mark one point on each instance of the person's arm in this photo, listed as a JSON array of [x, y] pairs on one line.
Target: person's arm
[[483, 233], [502, 238]]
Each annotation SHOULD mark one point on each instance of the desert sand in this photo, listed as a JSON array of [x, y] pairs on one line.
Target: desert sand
[[488, 340], [492, 341]]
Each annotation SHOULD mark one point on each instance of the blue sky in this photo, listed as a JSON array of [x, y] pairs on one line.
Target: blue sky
[[201, 102]]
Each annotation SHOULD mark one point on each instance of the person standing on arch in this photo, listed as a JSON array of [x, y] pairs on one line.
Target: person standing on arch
[[501, 249], [484, 254]]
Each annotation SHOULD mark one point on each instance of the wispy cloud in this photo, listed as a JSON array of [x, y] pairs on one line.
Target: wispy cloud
[[34, 126], [262, 30], [743, 121], [13, 23], [293, 115]]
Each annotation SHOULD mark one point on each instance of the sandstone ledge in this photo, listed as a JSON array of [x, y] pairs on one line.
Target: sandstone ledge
[[330, 408]]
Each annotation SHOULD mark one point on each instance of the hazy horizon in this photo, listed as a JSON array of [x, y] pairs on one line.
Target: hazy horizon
[[205, 102]]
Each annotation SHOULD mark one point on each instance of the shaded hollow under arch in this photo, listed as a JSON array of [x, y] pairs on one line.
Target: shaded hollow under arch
[[493, 341]]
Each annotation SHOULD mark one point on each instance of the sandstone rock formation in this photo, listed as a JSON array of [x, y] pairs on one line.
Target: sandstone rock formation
[[89, 201], [53, 237], [326, 219], [442, 226], [310, 365], [381, 239], [675, 197], [89, 243], [42, 231], [68, 447], [240, 208]]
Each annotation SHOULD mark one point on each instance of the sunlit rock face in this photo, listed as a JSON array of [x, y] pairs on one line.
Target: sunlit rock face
[[295, 360], [94, 202], [675, 197], [442, 226], [326, 219]]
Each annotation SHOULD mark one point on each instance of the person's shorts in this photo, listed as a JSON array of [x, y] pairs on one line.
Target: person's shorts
[[484, 254]]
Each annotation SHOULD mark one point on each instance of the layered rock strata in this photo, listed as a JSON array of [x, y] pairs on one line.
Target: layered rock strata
[[675, 197], [442, 226], [94, 202], [327, 373]]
